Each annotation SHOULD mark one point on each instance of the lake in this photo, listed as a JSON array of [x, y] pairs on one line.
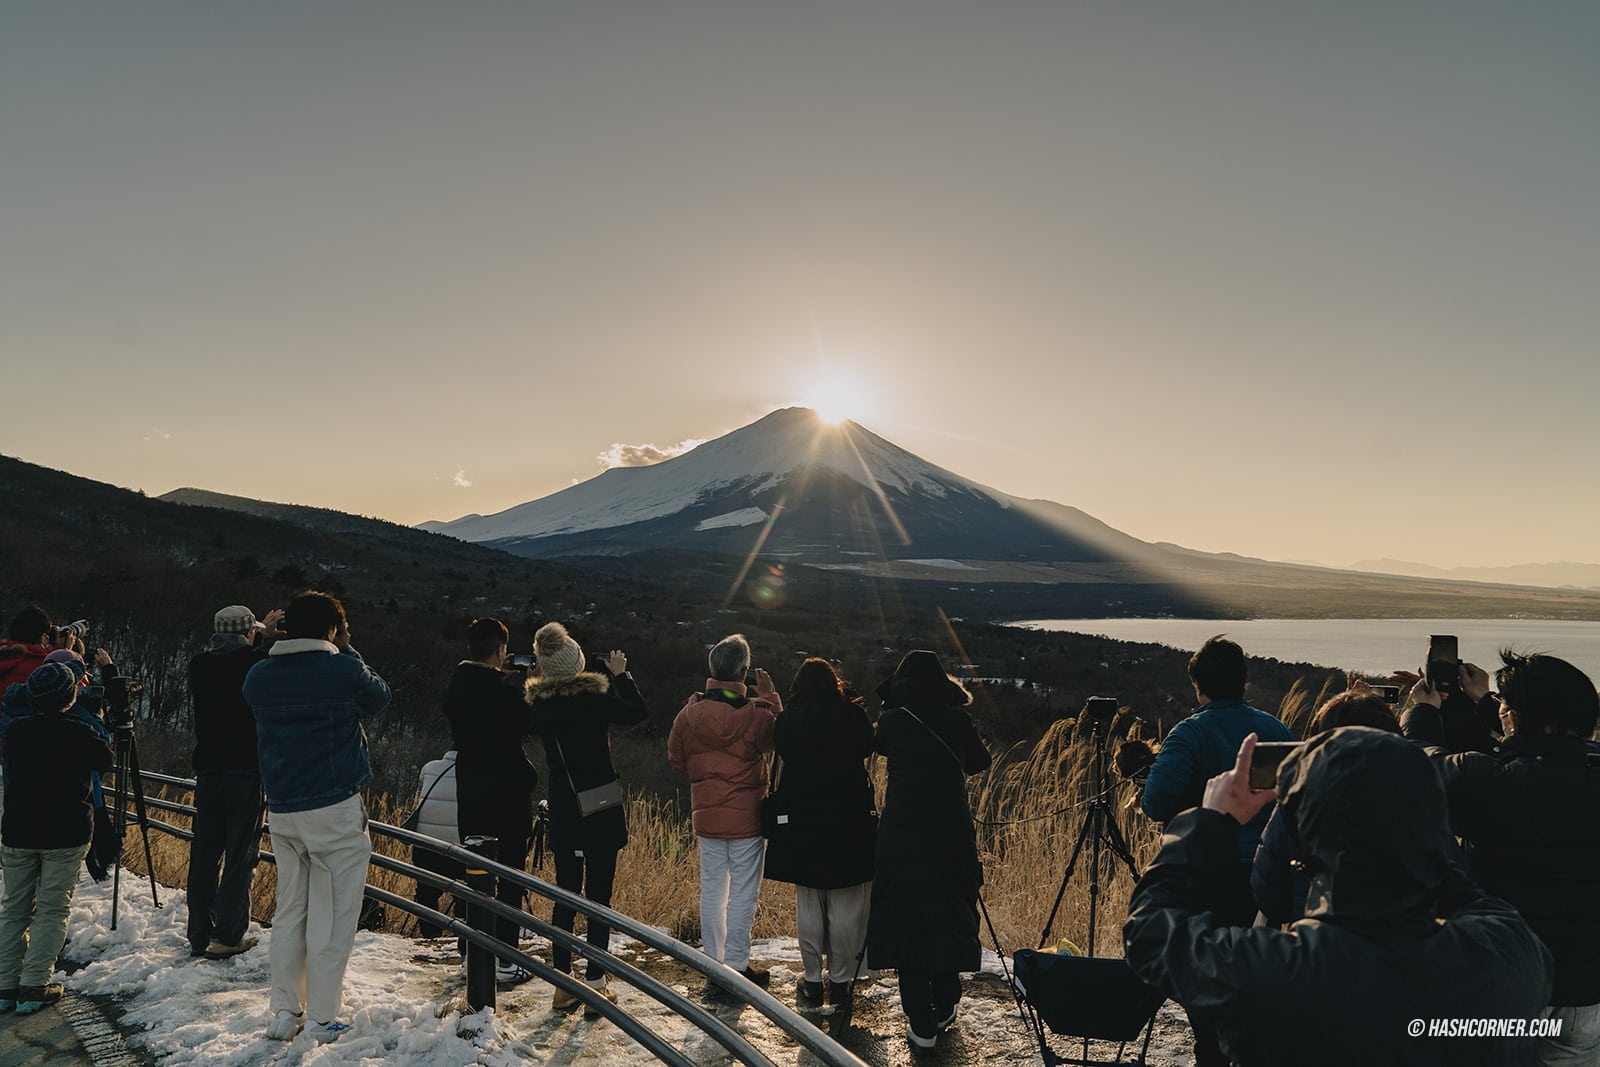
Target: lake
[[1369, 646]]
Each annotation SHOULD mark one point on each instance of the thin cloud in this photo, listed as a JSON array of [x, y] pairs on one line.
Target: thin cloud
[[158, 435], [461, 480], [621, 455]]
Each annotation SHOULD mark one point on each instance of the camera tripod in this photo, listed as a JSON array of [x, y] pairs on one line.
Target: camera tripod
[[1099, 829], [127, 771]]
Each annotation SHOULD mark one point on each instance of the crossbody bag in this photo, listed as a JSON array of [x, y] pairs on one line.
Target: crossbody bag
[[594, 800]]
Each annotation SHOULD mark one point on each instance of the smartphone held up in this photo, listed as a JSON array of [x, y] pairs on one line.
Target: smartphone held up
[[1264, 762], [1443, 670]]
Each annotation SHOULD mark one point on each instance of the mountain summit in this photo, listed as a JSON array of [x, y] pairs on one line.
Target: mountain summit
[[824, 492]]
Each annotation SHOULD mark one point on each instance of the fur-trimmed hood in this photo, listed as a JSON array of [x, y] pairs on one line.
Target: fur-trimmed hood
[[577, 685]]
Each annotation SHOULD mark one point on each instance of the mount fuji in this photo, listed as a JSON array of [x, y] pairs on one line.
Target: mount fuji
[[802, 489]]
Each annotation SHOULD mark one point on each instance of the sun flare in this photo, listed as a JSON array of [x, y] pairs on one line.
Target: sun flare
[[838, 398], [831, 411]]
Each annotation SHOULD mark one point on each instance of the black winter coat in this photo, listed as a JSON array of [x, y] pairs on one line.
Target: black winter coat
[[573, 717], [1529, 817], [925, 889], [495, 783], [830, 832], [49, 794], [224, 725], [1393, 933]]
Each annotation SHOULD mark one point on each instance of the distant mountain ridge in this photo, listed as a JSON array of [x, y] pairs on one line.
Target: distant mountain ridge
[[1565, 574], [325, 520], [825, 493]]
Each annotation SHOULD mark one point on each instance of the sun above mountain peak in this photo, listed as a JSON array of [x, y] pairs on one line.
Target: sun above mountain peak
[[831, 414], [836, 398]]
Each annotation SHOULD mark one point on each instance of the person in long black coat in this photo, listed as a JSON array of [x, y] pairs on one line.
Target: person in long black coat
[[574, 709], [828, 833], [924, 920], [495, 783]]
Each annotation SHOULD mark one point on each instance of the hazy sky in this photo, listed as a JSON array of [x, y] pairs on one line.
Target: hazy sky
[[1297, 280]]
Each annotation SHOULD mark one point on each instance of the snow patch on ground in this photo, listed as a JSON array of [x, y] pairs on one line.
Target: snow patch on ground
[[742, 517], [942, 564], [403, 1001]]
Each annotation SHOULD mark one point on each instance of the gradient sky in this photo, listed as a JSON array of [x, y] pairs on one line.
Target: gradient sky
[[1298, 280]]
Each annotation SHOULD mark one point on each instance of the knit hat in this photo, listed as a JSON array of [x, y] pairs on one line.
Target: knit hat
[[73, 661], [559, 655], [52, 687], [236, 619]]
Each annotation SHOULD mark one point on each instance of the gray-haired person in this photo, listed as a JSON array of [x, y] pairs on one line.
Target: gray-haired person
[[719, 741]]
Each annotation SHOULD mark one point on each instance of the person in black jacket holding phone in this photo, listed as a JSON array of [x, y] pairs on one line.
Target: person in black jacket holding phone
[[1528, 812], [574, 709], [495, 782], [924, 920]]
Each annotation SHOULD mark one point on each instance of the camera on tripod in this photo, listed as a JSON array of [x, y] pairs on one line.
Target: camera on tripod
[[120, 694], [1101, 711]]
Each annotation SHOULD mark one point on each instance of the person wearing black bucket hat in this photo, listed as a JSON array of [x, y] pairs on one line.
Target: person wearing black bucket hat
[[924, 913], [46, 829]]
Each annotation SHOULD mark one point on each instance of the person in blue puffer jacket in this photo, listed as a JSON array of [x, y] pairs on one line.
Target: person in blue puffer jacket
[[309, 697]]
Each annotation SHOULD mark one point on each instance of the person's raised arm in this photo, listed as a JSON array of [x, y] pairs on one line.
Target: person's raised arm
[[372, 692], [676, 757], [628, 707], [1172, 776]]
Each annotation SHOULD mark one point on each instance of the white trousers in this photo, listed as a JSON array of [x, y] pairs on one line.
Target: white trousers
[[833, 924], [322, 859], [730, 882], [1579, 1042]]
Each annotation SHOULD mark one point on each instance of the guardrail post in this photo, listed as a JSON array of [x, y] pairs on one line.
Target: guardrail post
[[480, 961]]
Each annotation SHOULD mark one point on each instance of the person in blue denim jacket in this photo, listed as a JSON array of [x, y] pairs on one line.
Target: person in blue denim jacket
[[1198, 749], [309, 697]]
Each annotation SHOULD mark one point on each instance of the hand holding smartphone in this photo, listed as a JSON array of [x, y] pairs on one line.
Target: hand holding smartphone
[[1443, 670], [1264, 762]]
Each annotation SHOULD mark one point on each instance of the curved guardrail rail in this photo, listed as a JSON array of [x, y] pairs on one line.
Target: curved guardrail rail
[[828, 1051]]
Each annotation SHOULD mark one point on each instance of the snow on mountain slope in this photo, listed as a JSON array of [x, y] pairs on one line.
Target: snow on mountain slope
[[750, 459], [742, 517]]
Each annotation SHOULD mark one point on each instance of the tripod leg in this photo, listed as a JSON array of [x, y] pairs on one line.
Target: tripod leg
[[139, 813], [1072, 861], [1119, 846], [119, 821]]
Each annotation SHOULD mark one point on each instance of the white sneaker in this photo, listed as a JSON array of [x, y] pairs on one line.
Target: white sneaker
[[283, 1026], [322, 1033], [510, 973], [918, 1042]]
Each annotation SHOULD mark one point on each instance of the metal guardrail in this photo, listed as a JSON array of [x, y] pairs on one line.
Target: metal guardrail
[[826, 1049]]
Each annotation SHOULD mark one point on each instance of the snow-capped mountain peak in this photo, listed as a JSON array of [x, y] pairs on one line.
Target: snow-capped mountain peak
[[751, 460]]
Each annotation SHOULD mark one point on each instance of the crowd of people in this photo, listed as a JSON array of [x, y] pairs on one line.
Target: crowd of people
[[1424, 862], [1418, 887]]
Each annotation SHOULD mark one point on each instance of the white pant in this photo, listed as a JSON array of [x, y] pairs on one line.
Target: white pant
[[322, 859], [833, 923], [1579, 1042], [730, 881]]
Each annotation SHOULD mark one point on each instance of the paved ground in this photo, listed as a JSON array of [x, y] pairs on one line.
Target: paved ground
[[79, 1031]]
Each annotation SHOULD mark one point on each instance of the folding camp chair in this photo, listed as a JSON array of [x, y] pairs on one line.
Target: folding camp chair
[[1084, 997]]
